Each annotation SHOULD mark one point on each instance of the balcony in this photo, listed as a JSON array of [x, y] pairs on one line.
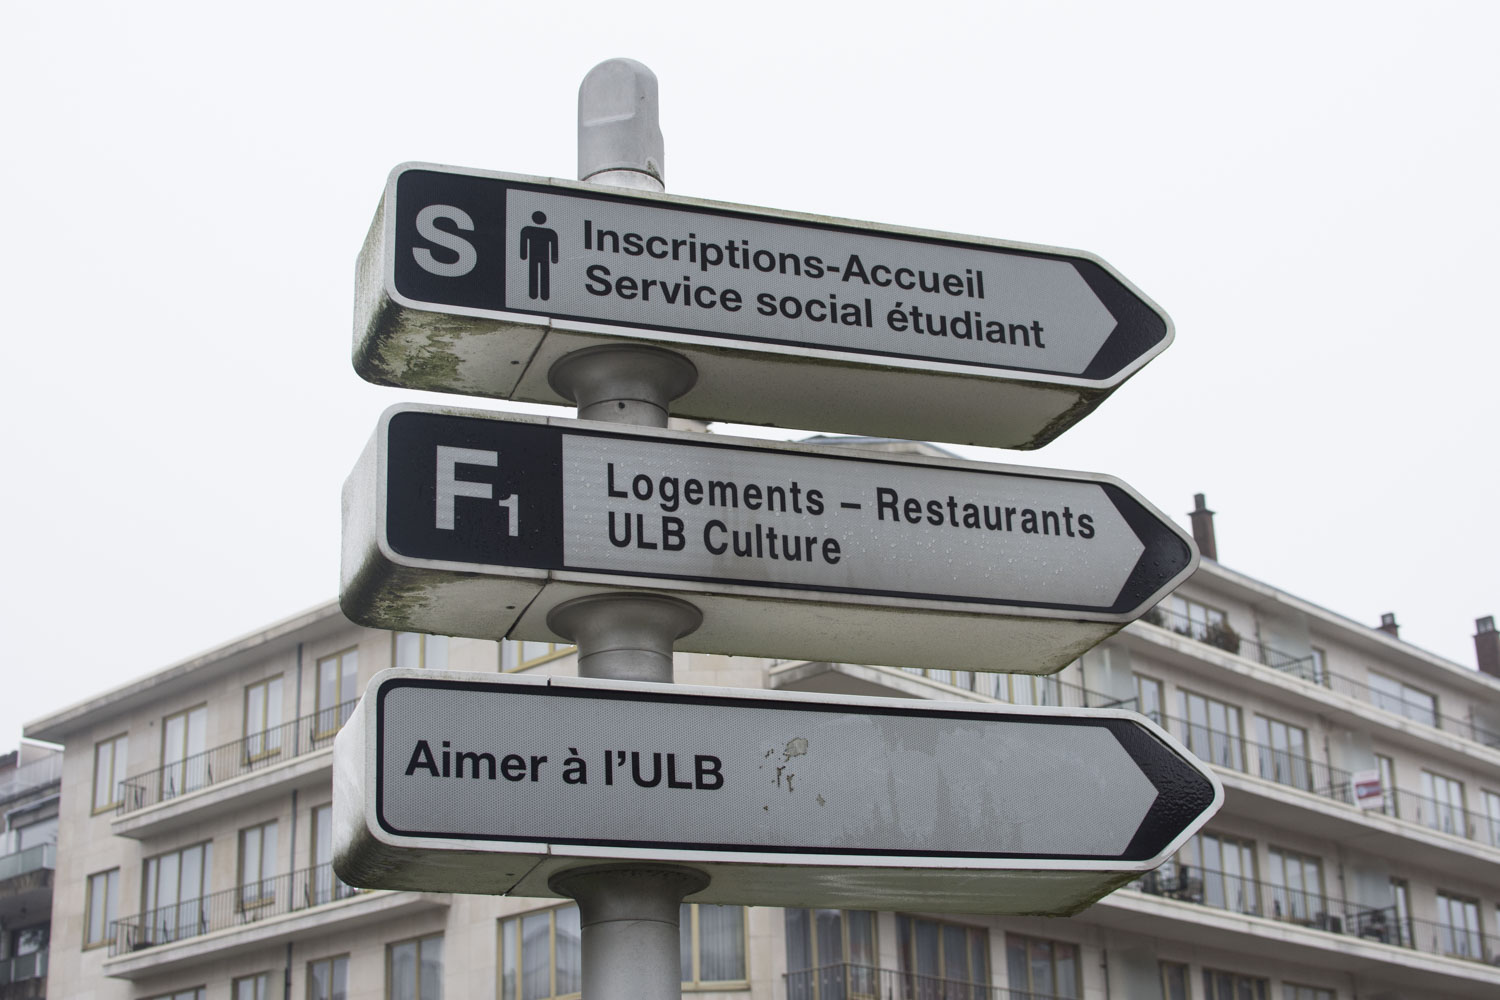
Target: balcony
[[30, 777], [269, 911], [862, 982], [24, 977], [26, 882], [1311, 671], [229, 776]]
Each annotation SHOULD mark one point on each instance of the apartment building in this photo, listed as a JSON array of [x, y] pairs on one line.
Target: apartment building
[[30, 784], [1357, 856]]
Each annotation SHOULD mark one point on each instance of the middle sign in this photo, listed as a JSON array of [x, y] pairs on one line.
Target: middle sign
[[477, 282], [478, 524]]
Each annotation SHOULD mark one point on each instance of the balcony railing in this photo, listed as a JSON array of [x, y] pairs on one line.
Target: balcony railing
[[255, 752], [1310, 908], [237, 907], [30, 860], [27, 777], [1310, 669], [1024, 689], [863, 982], [24, 967]]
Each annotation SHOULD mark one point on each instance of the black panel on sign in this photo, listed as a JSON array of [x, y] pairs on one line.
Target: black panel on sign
[[1166, 553], [503, 498], [478, 223]]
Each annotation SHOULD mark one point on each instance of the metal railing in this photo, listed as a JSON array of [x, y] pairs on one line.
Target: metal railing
[[1309, 669], [237, 907], [31, 859], [844, 981], [1023, 689], [24, 967], [1311, 908], [254, 752]]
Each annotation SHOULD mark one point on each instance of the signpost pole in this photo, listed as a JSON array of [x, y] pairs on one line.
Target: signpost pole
[[630, 919]]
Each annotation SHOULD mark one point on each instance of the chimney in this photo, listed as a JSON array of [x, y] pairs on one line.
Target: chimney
[[1203, 528], [1487, 645], [1388, 625]]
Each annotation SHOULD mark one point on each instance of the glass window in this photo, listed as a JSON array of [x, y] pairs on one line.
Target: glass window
[[1042, 969], [1388, 799], [263, 719], [328, 978], [1290, 991], [256, 987], [415, 649], [196, 993], [1443, 803], [1401, 896], [28, 834], [938, 958], [517, 655], [1150, 698], [1296, 887], [713, 944], [1212, 730], [172, 894], [540, 956], [184, 742], [1490, 803], [830, 954], [1174, 981], [1403, 699], [1026, 689], [338, 689], [1191, 618], [99, 908], [414, 969], [1283, 753], [1458, 926], [1219, 871], [109, 771], [258, 865], [324, 886], [1233, 986], [1319, 666]]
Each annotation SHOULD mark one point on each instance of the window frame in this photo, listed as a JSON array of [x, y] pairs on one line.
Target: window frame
[[1278, 859], [514, 662], [332, 963], [1028, 940], [243, 900], [1260, 984], [697, 982], [422, 641], [1443, 811], [909, 966], [111, 878], [1184, 978], [184, 763], [151, 889], [329, 719], [260, 983], [191, 993], [119, 752], [1233, 740], [419, 941], [268, 732], [1473, 932], [517, 920], [1269, 756], [1158, 714]]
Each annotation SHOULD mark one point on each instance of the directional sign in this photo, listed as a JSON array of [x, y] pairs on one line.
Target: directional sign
[[445, 781], [477, 524], [477, 282]]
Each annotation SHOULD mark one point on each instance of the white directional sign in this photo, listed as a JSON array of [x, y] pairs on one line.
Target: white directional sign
[[468, 523], [473, 783], [477, 282]]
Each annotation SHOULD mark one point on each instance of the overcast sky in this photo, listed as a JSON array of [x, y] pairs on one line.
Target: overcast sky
[[1309, 189]]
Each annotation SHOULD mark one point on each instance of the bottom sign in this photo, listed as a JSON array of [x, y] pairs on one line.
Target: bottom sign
[[457, 782]]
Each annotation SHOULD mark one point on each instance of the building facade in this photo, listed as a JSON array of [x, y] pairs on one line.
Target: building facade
[[1357, 856], [30, 786]]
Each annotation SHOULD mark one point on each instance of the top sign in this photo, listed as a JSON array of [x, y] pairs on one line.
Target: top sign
[[477, 282]]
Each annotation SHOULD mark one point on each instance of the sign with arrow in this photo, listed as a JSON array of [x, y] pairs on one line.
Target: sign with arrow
[[477, 282], [478, 524], [475, 783]]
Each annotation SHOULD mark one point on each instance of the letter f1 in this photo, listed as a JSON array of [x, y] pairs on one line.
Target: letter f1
[[450, 487]]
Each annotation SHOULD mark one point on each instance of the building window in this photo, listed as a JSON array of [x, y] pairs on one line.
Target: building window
[[325, 886], [256, 987], [1458, 926], [519, 655], [1319, 666], [328, 978], [263, 719], [1226, 866], [196, 993], [1443, 803], [1491, 805], [1296, 887], [1291, 991], [1150, 698], [184, 742], [1201, 622], [109, 771], [420, 651], [1174, 981], [1046, 968], [830, 954], [258, 866], [414, 969], [1213, 730], [1023, 689], [1233, 986], [1403, 699], [1387, 768], [1401, 900], [929, 951], [713, 945], [1283, 753], [99, 908], [338, 688], [539, 955], [172, 892]]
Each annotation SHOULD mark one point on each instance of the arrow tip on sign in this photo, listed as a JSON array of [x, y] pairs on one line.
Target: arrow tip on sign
[[1186, 794]]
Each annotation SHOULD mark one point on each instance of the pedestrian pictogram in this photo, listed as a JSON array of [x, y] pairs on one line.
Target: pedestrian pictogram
[[539, 249]]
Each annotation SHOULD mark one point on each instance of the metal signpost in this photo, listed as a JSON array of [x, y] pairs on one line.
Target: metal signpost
[[479, 282], [478, 524], [628, 794], [459, 782]]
